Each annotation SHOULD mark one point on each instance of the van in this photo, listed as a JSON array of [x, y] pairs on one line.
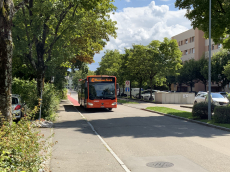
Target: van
[[134, 92]]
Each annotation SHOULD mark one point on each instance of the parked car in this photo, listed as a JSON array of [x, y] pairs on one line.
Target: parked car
[[224, 94], [200, 97], [146, 94], [217, 99], [17, 107]]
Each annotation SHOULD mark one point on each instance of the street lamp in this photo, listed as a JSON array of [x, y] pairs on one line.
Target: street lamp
[[209, 66]]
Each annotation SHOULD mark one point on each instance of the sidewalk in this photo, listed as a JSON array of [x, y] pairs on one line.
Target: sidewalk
[[78, 148]]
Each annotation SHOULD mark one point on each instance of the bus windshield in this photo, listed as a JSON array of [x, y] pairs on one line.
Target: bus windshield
[[103, 90]]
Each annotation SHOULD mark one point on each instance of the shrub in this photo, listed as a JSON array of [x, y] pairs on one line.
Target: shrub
[[222, 114], [50, 99], [228, 96], [200, 110], [21, 147], [50, 102]]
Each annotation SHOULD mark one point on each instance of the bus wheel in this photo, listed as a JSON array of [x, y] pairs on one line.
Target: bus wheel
[[109, 109]]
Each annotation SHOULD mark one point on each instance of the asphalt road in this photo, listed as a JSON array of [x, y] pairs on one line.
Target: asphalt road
[[140, 138]]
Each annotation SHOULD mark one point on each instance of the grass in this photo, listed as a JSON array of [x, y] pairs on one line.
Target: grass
[[172, 111], [184, 114], [126, 101]]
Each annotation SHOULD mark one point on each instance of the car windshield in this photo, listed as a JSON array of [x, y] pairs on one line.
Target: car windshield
[[216, 95], [101, 90], [224, 94], [14, 100]]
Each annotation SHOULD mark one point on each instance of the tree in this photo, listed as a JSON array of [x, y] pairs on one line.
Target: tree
[[136, 64], [219, 61], [81, 74], [227, 71], [198, 14], [203, 71], [170, 79], [190, 72], [60, 31], [7, 12], [163, 58]]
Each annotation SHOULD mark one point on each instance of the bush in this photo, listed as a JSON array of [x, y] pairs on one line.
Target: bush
[[50, 102], [50, 99], [222, 114], [21, 147], [200, 110], [228, 96]]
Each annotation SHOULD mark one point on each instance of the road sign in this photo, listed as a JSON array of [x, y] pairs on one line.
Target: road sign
[[127, 83], [127, 89]]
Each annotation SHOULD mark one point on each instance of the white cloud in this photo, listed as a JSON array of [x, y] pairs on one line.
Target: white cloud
[[127, 0], [141, 25]]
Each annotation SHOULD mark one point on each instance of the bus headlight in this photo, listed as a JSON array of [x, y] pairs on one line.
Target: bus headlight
[[90, 104], [114, 103]]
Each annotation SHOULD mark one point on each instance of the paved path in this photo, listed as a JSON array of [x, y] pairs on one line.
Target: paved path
[[75, 150]]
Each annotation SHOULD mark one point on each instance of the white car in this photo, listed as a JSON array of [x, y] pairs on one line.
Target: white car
[[200, 97], [146, 94], [17, 107], [217, 99]]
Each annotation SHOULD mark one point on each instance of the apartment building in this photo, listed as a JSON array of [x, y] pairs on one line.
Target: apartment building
[[69, 84], [193, 45]]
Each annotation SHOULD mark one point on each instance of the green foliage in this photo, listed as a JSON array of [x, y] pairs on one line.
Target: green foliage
[[27, 90], [203, 71], [49, 34], [226, 71], [80, 74], [222, 114], [50, 101], [198, 14], [21, 147], [50, 98], [189, 72], [200, 110]]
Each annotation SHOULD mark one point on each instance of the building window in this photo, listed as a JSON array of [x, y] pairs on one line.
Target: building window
[[193, 39], [193, 50], [186, 52], [186, 41], [219, 46], [213, 47], [181, 42]]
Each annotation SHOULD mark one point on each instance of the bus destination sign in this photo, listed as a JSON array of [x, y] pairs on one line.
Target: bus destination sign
[[101, 79]]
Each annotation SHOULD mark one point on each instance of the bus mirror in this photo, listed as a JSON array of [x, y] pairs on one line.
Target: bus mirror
[[117, 86], [86, 84]]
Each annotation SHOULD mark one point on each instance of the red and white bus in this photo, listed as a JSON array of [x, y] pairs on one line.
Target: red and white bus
[[98, 91]]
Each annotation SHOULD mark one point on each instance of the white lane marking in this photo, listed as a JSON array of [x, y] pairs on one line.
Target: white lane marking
[[106, 145]]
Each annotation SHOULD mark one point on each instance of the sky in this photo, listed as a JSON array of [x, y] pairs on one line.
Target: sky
[[141, 21]]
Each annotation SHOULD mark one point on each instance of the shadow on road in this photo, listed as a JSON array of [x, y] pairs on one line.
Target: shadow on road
[[137, 126]]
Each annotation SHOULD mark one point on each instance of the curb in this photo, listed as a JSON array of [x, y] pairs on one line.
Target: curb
[[185, 106], [140, 100], [190, 120]]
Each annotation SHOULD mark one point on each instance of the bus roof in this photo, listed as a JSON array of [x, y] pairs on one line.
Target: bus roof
[[96, 76], [99, 76]]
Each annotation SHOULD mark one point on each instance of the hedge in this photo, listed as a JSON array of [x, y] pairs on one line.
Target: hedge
[[200, 110], [222, 114]]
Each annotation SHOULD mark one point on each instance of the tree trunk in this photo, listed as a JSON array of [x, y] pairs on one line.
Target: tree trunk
[[151, 85], [140, 88], [6, 53], [191, 86]]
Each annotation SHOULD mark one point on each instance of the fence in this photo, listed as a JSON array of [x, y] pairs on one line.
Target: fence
[[174, 98]]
